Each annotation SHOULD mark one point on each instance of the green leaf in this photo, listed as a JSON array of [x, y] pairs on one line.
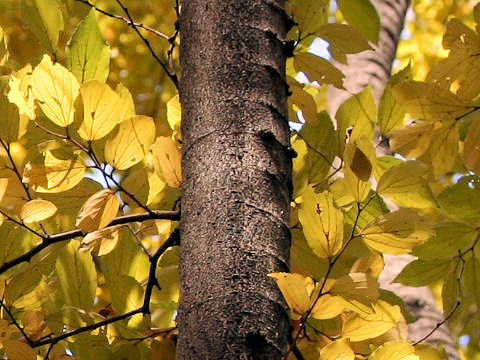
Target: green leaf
[[450, 292], [76, 276], [443, 149], [406, 185], [318, 69], [390, 112], [88, 55], [423, 272], [362, 15], [462, 200], [44, 18], [451, 237]]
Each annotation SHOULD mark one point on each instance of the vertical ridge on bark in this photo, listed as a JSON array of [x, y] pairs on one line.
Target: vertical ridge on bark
[[236, 180]]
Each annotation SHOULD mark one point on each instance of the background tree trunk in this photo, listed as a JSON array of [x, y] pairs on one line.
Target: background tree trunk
[[373, 68], [236, 180]]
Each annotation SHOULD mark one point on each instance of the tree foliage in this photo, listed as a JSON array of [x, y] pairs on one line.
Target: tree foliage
[[90, 175]]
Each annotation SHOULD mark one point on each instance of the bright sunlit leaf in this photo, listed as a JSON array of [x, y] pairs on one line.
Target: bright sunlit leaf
[[337, 350], [296, 290], [37, 210], [55, 89], [168, 161]]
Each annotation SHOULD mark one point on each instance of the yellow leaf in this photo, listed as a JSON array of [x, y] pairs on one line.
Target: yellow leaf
[[406, 185], [413, 140], [296, 290], [444, 149], [327, 307], [337, 350], [13, 125], [344, 38], [20, 92], [168, 161], [305, 102], [322, 223], [54, 175], [471, 148], [3, 48], [37, 210], [308, 14], [429, 101], [360, 165], [397, 232], [3, 187], [103, 240], [127, 107], [394, 351], [98, 211], [55, 89], [428, 352], [17, 350], [362, 327], [174, 113], [318, 69], [101, 110], [356, 286], [130, 144]]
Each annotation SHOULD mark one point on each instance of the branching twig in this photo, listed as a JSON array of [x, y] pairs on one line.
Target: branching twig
[[15, 323], [125, 20], [174, 239], [52, 239], [56, 339]]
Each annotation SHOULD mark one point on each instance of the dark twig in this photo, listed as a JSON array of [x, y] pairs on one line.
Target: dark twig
[[125, 20], [174, 239], [52, 239], [15, 323], [56, 339]]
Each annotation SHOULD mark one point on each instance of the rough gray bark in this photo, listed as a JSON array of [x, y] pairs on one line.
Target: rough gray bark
[[374, 68], [236, 180]]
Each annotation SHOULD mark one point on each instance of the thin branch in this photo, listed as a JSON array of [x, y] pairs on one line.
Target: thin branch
[[21, 224], [125, 20], [174, 239], [56, 339], [15, 323], [52, 239], [172, 76]]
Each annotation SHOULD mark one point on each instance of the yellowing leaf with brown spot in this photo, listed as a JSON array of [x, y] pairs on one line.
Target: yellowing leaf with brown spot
[[305, 102], [168, 161], [322, 223], [318, 69], [54, 175], [394, 351], [20, 92], [34, 324], [397, 232], [101, 110], [337, 350], [362, 327], [55, 89], [471, 148], [327, 307], [37, 210], [17, 350], [98, 211], [130, 144], [103, 240], [296, 290], [358, 157]]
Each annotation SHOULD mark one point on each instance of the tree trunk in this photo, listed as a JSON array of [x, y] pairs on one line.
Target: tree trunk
[[236, 180], [374, 68]]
